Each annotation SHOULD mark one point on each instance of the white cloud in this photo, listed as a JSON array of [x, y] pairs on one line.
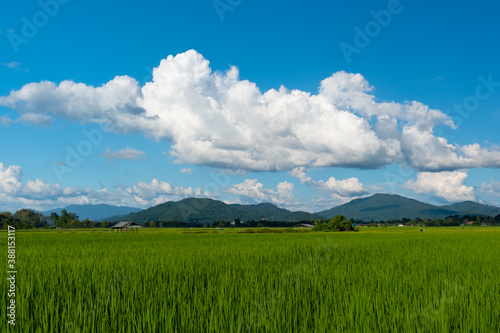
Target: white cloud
[[300, 173], [38, 189], [10, 178], [32, 118], [215, 119], [426, 152], [330, 202], [350, 187], [157, 188], [37, 119], [236, 172], [5, 120], [251, 191], [447, 185], [187, 170], [37, 194], [11, 185], [77, 101], [13, 64], [482, 157], [493, 188], [127, 153]]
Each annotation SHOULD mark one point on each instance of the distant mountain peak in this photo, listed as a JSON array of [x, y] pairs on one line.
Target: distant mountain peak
[[379, 206], [207, 210], [94, 212], [383, 206]]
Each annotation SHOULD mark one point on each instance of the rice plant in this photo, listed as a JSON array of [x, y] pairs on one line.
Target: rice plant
[[390, 280]]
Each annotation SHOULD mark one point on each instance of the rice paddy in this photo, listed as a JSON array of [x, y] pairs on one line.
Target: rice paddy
[[383, 280]]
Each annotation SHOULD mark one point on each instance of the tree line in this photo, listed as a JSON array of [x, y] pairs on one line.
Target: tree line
[[29, 219], [236, 223], [450, 221]]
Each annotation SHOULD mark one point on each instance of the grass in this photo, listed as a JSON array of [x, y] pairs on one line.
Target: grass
[[163, 280]]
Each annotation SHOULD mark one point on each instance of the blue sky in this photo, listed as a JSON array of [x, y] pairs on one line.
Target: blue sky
[[305, 105]]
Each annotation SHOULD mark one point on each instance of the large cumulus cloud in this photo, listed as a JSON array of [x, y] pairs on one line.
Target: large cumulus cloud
[[216, 119]]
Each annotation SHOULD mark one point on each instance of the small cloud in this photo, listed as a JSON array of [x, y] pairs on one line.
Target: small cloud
[[6, 120], [124, 154], [16, 66], [187, 170], [493, 188], [252, 191], [375, 188], [13, 64], [351, 187], [36, 119], [235, 172]]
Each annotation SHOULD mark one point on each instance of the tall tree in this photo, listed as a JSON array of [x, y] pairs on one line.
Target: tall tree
[[5, 219], [28, 217]]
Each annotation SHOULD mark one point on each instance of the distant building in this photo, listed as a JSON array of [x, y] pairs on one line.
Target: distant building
[[127, 225], [303, 225]]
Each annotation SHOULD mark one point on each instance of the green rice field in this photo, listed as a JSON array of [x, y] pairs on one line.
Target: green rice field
[[164, 280]]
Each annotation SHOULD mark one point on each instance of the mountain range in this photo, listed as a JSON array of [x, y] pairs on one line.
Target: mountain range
[[204, 210], [381, 207], [378, 207], [94, 212]]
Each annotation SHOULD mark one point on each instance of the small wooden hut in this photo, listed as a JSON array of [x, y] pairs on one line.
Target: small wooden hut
[[303, 225], [127, 225]]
